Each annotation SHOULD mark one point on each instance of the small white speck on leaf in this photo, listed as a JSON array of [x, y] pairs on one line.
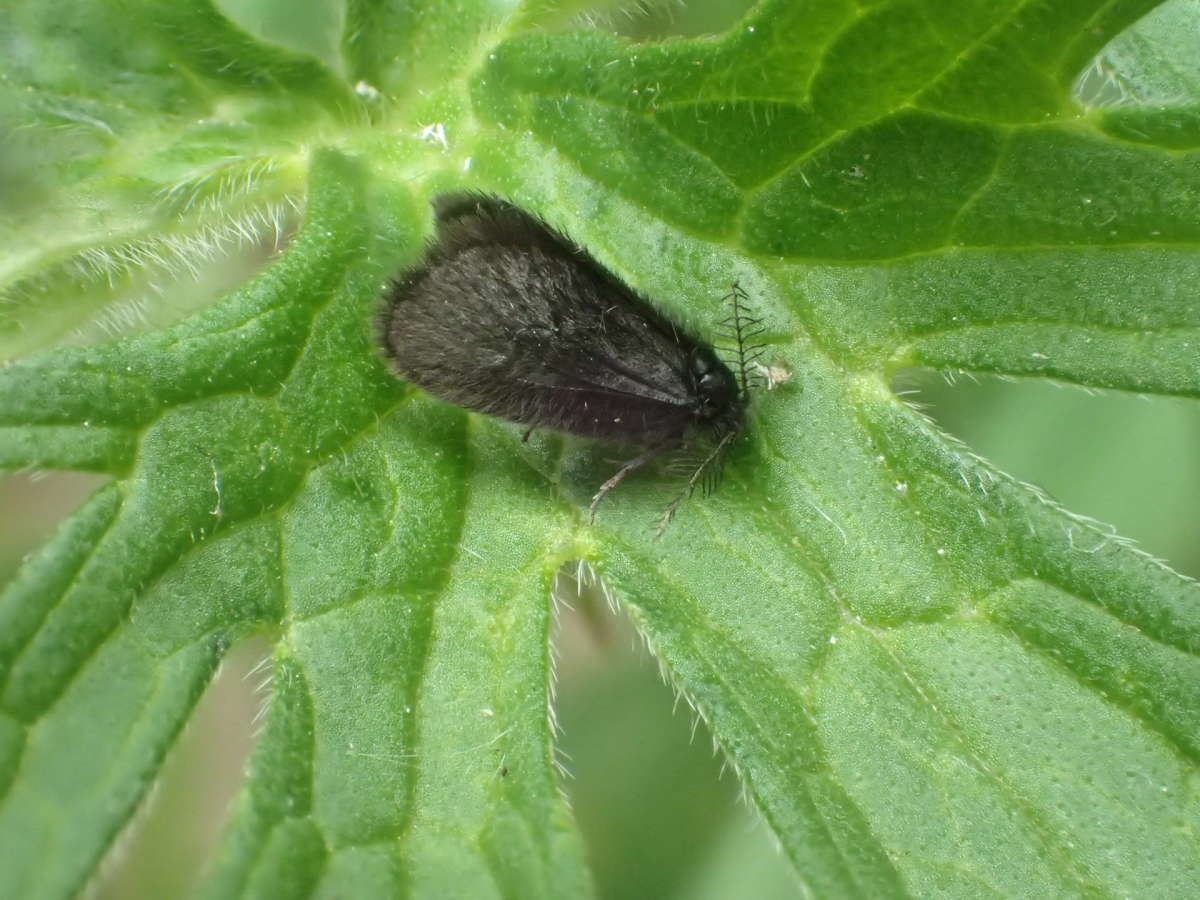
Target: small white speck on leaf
[[434, 134], [368, 92]]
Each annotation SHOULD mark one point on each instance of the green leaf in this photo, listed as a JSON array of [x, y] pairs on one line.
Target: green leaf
[[132, 172], [930, 678]]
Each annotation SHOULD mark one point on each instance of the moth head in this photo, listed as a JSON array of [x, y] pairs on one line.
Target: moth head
[[717, 397]]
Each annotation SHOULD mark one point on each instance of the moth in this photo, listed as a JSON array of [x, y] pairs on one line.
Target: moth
[[507, 317]]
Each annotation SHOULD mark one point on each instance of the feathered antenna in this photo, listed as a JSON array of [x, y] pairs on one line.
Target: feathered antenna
[[740, 329], [707, 470]]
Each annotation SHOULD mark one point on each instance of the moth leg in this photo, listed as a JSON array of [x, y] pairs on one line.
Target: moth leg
[[630, 466], [528, 432]]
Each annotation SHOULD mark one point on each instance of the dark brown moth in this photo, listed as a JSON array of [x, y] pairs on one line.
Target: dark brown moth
[[509, 318]]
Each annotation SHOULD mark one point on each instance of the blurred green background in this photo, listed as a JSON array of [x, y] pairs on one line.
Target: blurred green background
[[659, 817]]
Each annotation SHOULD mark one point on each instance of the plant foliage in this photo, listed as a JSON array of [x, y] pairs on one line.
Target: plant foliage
[[930, 678]]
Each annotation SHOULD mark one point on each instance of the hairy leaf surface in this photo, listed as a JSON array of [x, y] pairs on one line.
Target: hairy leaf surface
[[931, 679]]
